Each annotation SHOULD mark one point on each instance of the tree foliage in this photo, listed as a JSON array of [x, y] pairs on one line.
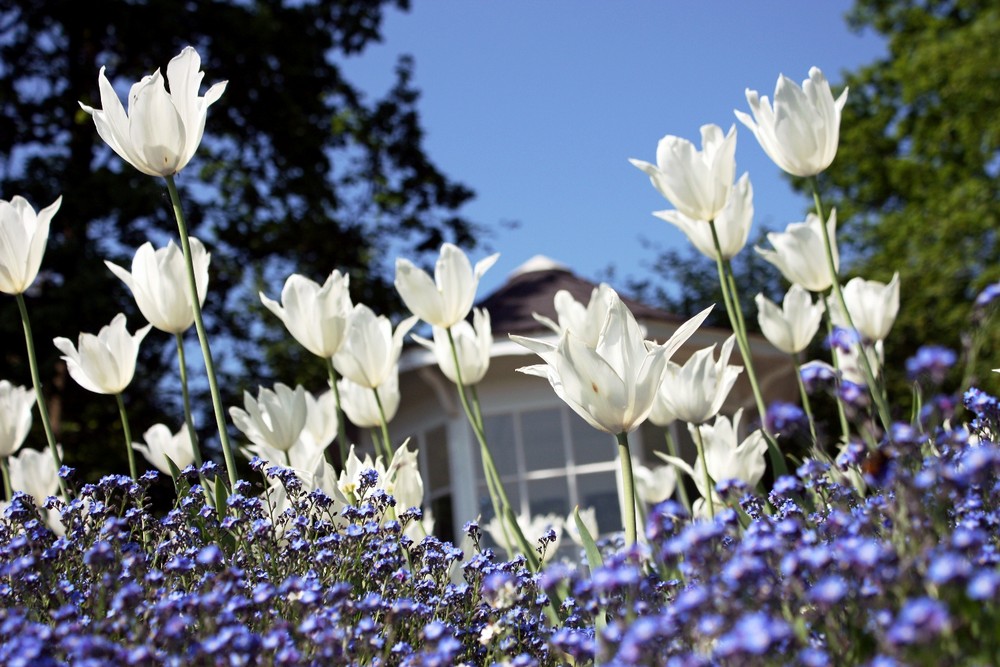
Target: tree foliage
[[916, 181], [299, 172], [916, 184]]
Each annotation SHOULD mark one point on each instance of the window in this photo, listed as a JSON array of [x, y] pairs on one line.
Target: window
[[550, 461]]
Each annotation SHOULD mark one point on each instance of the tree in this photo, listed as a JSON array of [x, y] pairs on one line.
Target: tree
[[298, 172], [916, 181], [916, 184]]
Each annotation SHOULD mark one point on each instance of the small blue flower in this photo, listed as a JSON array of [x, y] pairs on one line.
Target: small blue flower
[[931, 361]]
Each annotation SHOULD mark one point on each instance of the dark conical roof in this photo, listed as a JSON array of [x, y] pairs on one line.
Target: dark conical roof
[[532, 287]]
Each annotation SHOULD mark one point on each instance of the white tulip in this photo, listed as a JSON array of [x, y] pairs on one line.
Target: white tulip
[[873, 307], [613, 384], [161, 131], [23, 237], [447, 298], [584, 322], [793, 327], [800, 254], [158, 281], [696, 182], [105, 363], [732, 224], [358, 402], [371, 349], [315, 316], [161, 444], [696, 391], [276, 419], [472, 346], [654, 485], [35, 473], [16, 404], [801, 133]]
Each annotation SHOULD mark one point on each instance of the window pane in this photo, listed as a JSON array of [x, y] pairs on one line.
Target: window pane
[[500, 438], [589, 444], [600, 491], [443, 528], [437, 471], [548, 496], [541, 434]]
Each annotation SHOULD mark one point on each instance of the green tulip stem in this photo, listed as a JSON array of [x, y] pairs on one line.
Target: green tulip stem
[[386, 442], [804, 395], [841, 412], [498, 496], [672, 448], [186, 396], [628, 488], [730, 297], [213, 384], [128, 437], [873, 386], [39, 398], [700, 443], [8, 492], [341, 423]]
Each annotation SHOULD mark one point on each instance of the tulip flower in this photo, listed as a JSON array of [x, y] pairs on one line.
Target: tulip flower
[[23, 237], [696, 182], [35, 473], [105, 363], [800, 254], [161, 445], [728, 460], [584, 322], [162, 130], [275, 419], [349, 483], [872, 305], [309, 451], [447, 298], [158, 281], [800, 134], [472, 346], [359, 402], [321, 421], [316, 316], [732, 224], [696, 391], [723, 457], [16, 404], [662, 414], [405, 483], [371, 349], [611, 385], [793, 327], [654, 485]]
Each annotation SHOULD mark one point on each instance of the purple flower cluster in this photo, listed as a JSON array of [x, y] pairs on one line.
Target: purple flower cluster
[[884, 557], [888, 557], [122, 586]]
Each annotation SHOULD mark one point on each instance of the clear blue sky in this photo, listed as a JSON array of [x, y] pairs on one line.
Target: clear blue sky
[[537, 106]]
